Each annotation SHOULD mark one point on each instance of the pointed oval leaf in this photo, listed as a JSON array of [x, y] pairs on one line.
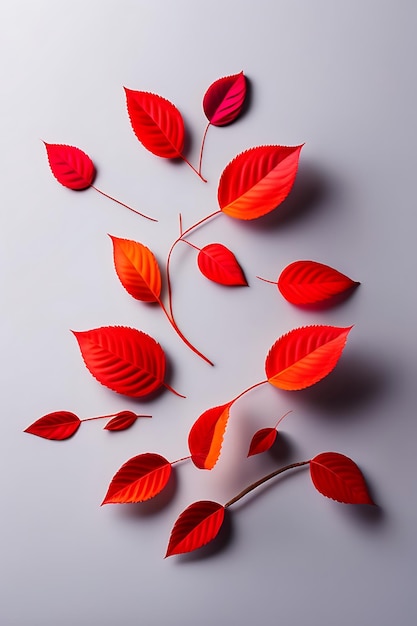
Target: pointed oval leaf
[[197, 525], [205, 438], [156, 122], [70, 166], [123, 359], [137, 269], [257, 181], [121, 421], [57, 425], [304, 356], [308, 282], [219, 264], [139, 479], [262, 441], [224, 99], [336, 476]]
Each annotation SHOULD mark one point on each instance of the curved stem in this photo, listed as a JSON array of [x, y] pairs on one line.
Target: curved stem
[[281, 418], [173, 390], [263, 382], [263, 480], [202, 147], [193, 168], [99, 417], [265, 280], [123, 204], [184, 458]]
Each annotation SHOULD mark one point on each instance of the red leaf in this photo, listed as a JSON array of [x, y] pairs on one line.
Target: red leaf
[[122, 421], [304, 356], [195, 527], [70, 166], [123, 359], [137, 269], [205, 439], [257, 181], [307, 282], [58, 425], [139, 479], [224, 99], [219, 264], [338, 477], [156, 122], [262, 441]]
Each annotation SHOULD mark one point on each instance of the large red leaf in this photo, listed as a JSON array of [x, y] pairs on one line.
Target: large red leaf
[[70, 166], [57, 425], [224, 99], [139, 479], [257, 181], [205, 438], [304, 356], [338, 477], [262, 441], [195, 527], [219, 264], [307, 282], [121, 421], [137, 269], [156, 122], [123, 359]]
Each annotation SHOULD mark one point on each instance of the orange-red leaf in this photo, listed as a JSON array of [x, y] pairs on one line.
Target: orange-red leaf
[[121, 421], [70, 166], [205, 439], [137, 269], [156, 122], [219, 264], [307, 282], [139, 479], [257, 181], [304, 356], [262, 441], [57, 425], [123, 359], [195, 527], [224, 99], [338, 477]]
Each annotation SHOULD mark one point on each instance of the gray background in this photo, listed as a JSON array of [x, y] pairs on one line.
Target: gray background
[[339, 76]]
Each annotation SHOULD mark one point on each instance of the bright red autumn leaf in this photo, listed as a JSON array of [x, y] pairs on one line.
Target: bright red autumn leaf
[[224, 99], [205, 438], [156, 122], [137, 269], [257, 181], [57, 425], [262, 441], [121, 421], [123, 359], [139, 479], [219, 264], [336, 476], [304, 356], [308, 282], [195, 527], [72, 167]]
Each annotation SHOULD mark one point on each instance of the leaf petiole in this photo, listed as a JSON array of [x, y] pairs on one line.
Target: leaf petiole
[[106, 195]]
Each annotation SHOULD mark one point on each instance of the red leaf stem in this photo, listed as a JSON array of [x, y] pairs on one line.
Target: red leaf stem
[[106, 195], [203, 141]]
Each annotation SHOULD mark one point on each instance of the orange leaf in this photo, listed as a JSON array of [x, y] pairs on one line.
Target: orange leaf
[[262, 441], [195, 527], [338, 477], [304, 356], [139, 479], [137, 269], [257, 181], [57, 425], [205, 439]]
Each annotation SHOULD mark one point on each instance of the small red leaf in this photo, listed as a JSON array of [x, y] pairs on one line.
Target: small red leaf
[[137, 269], [219, 264], [156, 122], [338, 477], [307, 282], [195, 527], [257, 181], [304, 356], [58, 425], [205, 439], [70, 166], [224, 99], [121, 421], [262, 441], [139, 479], [123, 359]]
